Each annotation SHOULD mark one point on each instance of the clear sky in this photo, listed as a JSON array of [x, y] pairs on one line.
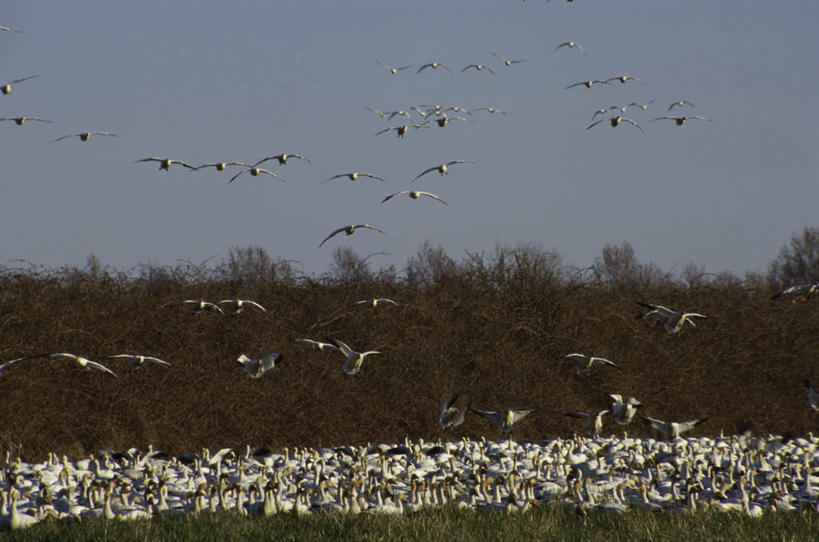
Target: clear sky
[[212, 81]]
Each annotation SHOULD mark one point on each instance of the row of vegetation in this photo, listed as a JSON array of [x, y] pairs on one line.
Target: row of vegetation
[[445, 524], [494, 327]]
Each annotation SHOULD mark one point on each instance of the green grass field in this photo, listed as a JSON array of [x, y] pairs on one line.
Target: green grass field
[[545, 523]]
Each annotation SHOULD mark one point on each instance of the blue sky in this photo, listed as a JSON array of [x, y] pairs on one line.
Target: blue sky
[[211, 81]]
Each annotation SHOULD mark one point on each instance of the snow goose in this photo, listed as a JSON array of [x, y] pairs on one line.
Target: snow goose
[[85, 136], [238, 305], [798, 292], [349, 230], [85, 363], [434, 66], [624, 411], [257, 367], [594, 422], [6, 89], [680, 103], [444, 120], [392, 70], [588, 84], [282, 159], [255, 172], [681, 120], [452, 416], [813, 396], [353, 176], [506, 61], [673, 321], [504, 419], [200, 305], [491, 109], [571, 45], [137, 361], [317, 345], [166, 163], [478, 67], [585, 362], [672, 429], [221, 166], [354, 359], [22, 120], [373, 302], [400, 131], [414, 194], [615, 121], [624, 79], [442, 169]]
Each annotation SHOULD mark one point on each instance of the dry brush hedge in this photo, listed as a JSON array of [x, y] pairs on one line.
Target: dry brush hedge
[[498, 340]]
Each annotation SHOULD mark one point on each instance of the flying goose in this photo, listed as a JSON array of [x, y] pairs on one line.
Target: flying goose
[[478, 67], [594, 422], [615, 121], [400, 131], [571, 45], [85, 136], [8, 29], [373, 302], [238, 305], [624, 79], [166, 163], [200, 305], [392, 70], [491, 110], [642, 106], [798, 291], [85, 363], [588, 84], [354, 359], [813, 396], [672, 429], [681, 120], [137, 361], [680, 104], [316, 345], [22, 120], [585, 362], [399, 113], [442, 169], [673, 321], [377, 112], [282, 159], [624, 412], [414, 194], [6, 89], [353, 176], [506, 61], [257, 367], [443, 120], [254, 172], [349, 231], [504, 419], [451, 416], [221, 166], [434, 66]]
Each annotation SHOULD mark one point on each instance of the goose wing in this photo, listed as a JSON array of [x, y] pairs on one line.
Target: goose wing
[[430, 170], [396, 194], [345, 349]]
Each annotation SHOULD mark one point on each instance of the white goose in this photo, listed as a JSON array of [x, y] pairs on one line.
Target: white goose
[[506, 61], [85, 363], [349, 230], [19, 121], [6, 89], [615, 121], [504, 419], [137, 361], [317, 345], [679, 121], [238, 305], [85, 136], [414, 194], [571, 45], [354, 359], [442, 169], [673, 321], [257, 367], [624, 411], [478, 67], [354, 176], [166, 163], [255, 172], [392, 70], [585, 362], [451, 416], [373, 302], [434, 66], [672, 429], [200, 305], [400, 131], [594, 422], [282, 159]]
